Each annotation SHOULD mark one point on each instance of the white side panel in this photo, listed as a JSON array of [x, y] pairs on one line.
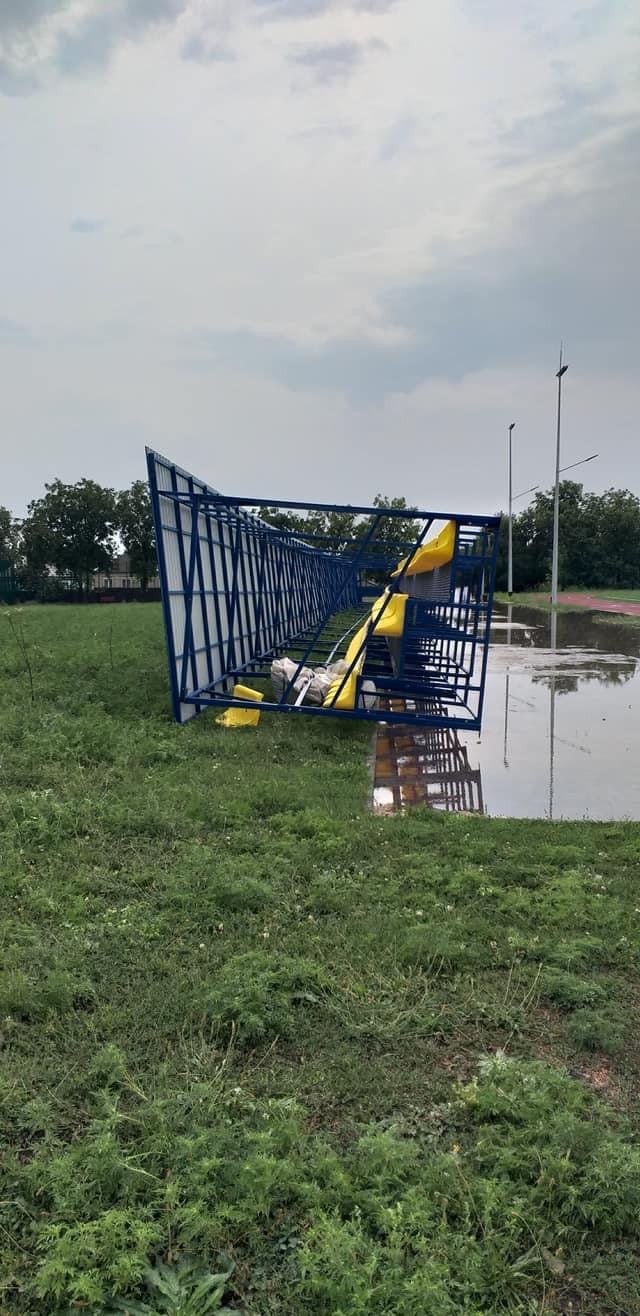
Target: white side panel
[[243, 603]]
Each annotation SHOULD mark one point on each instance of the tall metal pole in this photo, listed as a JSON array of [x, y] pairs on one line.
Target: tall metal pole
[[510, 560], [556, 499]]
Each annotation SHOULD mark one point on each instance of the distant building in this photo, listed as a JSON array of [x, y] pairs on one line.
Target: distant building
[[121, 577], [8, 586]]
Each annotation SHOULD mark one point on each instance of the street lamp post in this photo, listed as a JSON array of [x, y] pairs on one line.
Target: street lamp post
[[556, 497], [510, 558]]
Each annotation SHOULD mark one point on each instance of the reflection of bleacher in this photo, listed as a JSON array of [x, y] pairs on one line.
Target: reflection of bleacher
[[424, 765]]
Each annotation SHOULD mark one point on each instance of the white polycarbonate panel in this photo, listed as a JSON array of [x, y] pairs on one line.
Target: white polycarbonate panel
[[232, 593]]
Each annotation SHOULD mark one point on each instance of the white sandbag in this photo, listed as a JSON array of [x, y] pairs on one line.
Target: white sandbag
[[310, 686]]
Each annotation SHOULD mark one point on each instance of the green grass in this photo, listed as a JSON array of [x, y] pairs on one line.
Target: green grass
[[541, 600], [264, 1051]]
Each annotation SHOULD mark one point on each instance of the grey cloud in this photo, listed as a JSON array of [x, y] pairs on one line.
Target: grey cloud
[[103, 333], [154, 237], [375, 6], [333, 61], [92, 43], [324, 132], [283, 9], [15, 80], [291, 8], [153, 11], [17, 19], [197, 47], [88, 44], [398, 137], [363, 370], [570, 271], [82, 225], [589, 22], [566, 25], [13, 334], [329, 62], [17, 16], [164, 238], [576, 115]]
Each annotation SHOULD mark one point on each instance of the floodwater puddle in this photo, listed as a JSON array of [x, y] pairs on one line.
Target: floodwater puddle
[[560, 728]]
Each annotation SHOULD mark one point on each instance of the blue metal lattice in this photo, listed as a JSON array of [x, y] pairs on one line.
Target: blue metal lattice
[[237, 593]]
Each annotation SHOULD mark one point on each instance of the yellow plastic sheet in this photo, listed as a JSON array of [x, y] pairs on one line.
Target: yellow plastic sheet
[[391, 622], [242, 717], [436, 553]]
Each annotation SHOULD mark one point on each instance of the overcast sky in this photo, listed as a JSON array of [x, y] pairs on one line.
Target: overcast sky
[[319, 248]]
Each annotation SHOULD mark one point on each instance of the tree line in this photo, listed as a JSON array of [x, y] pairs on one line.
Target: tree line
[[599, 546], [339, 530], [76, 530]]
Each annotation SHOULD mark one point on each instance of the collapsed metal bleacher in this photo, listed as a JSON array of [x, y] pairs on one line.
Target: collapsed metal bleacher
[[239, 592]]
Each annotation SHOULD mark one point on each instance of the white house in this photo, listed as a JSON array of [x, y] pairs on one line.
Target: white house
[[120, 577]]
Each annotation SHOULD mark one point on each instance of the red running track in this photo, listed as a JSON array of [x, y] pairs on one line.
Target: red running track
[[601, 605]]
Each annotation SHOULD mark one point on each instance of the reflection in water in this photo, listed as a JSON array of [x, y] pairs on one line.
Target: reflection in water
[[591, 671], [552, 705], [552, 709], [424, 765], [574, 632], [571, 755], [505, 756]]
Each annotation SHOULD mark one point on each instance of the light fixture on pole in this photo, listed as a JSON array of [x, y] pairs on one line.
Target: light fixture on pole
[[525, 491], [556, 497], [583, 461], [510, 558]]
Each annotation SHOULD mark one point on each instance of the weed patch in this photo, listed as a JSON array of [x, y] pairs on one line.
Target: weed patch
[[596, 1030]]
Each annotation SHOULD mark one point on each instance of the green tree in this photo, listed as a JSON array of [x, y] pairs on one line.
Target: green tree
[[333, 531], [9, 538], [396, 535], [613, 539], [343, 530], [284, 518], [135, 524], [72, 530], [599, 540]]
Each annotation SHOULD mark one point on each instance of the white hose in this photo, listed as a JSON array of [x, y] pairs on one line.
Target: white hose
[[343, 637]]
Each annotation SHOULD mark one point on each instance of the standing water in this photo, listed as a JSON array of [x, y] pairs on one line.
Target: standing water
[[560, 727]]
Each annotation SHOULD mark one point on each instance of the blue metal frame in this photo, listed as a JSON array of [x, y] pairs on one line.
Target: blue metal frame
[[237, 593]]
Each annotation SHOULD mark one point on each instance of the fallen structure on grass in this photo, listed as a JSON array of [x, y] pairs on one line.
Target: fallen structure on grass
[[241, 595]]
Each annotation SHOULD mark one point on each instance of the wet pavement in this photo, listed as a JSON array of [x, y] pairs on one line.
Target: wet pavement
[[560, 728]]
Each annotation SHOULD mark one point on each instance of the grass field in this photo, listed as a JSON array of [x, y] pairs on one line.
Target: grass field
[[541, 600], [350, 1065]]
